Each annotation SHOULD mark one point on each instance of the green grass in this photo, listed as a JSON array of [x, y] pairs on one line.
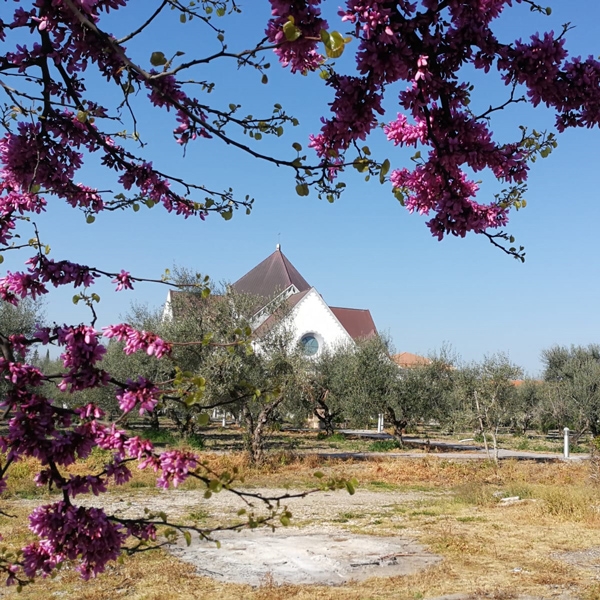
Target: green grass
[[159, 436], [384, 446]]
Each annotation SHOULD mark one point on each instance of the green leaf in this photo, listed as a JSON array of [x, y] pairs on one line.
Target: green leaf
[[188, 537], [215, 486], [385, 167], [136, 207], [220, 11], [227, 215], [285, 521], [302, 189], [264, 79], [334, 48], [323, 74], [1, 259], [157, 59], [361, 164], [297, 147], [203, 419], [76, 298], [183, 19], [90, 219], [350, 487], [291, 32]]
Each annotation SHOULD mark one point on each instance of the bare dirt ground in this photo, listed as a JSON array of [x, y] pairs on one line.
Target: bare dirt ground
[[312, 554]]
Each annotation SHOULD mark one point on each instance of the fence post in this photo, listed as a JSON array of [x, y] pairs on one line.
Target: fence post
[[566, 452], [380, 423]]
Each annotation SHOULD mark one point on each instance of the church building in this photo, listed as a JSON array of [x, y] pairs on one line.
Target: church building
[[313, 323], [310, 320]]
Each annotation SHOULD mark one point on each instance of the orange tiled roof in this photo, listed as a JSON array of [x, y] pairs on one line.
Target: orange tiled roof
[[407, 360]]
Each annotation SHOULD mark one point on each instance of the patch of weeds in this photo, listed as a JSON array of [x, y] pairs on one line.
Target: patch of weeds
[[384, 446], [196, 441], [158, 436], [475, 494], [400, 509], [523, 444], [383, 485], [471, 519], [30, 493], [347, 516], [199, 515], [569, 503], [336, 437], [522, 490], [423, 513], [579, 449], [139, 484]]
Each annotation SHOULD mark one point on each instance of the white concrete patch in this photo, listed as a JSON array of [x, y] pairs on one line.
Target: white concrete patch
[[303, 556]]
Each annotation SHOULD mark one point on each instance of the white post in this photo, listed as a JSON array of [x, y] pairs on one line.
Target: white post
[[566, 442], [380, 423], [224, 420]]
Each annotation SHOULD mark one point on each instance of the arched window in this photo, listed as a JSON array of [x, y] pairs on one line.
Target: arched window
[[310, 344]]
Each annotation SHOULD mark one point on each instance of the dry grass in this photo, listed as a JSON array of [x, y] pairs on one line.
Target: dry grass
[[489, 549]]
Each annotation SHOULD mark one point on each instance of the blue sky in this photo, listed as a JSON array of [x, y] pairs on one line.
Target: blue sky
[[364, 251]]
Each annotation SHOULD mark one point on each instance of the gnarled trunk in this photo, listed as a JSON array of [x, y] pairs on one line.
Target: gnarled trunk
[[254, 439], [398, 424], [325, 416]]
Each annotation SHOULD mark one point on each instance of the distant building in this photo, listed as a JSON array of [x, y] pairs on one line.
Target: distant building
[[312, 322], [406, 360]]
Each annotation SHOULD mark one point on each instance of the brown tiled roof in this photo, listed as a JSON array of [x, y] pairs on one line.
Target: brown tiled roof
[[407, 360], [273, 275], [357, 322]]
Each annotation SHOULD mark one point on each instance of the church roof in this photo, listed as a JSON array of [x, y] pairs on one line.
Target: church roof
[[272, 276], [274, 318], [357, 322]]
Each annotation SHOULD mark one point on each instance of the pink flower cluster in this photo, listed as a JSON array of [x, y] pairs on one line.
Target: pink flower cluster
[[427, 47], [72, 533], [123, 281], [174, 466], [300, 54], [136, 340], [142, 393]]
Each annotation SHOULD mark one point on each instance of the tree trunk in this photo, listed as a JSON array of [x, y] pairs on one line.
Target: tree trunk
[[255, 429], [495, 441], [482, 425], [325, 416], [398, 425], [154, 422]]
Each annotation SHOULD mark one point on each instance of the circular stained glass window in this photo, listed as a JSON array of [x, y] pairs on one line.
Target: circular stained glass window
[[310, 344]]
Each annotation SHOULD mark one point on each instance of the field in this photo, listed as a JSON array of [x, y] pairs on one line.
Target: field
[[544, 544]]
